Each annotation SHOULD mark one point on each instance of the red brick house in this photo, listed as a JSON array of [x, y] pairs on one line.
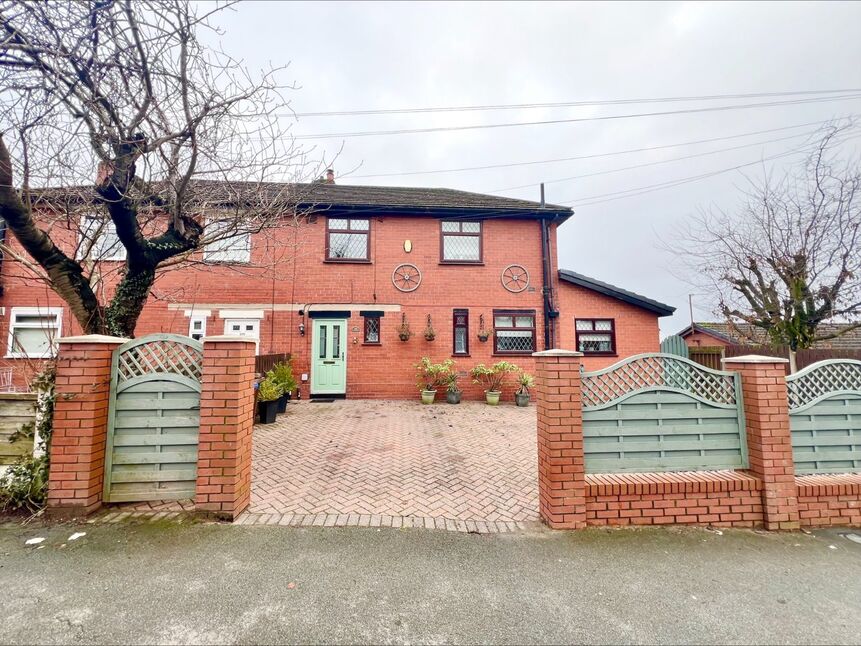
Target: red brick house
[[720, 335], [334, 290]]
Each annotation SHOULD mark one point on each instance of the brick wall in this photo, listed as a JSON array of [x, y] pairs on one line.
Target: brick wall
[[700, 339], [829, 500], [288, 270], [636, 329]]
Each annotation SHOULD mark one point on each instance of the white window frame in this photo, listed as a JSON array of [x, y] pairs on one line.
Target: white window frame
[[197, 318], [107, 227], [244, 322], [56, 312], [234, 250]]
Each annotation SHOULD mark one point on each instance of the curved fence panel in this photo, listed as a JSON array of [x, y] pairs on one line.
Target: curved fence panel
[[825, 417], [661, 412]]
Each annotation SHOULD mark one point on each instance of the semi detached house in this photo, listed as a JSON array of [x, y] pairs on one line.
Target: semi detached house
[[334, 286]]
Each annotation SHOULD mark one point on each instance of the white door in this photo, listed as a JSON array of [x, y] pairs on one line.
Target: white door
[[244, 327]]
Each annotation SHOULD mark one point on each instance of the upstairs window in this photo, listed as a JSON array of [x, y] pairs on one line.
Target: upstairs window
[[596, 336], [33, 332], [460, 241], [461, 333], [347, 239], [229, 246], [98, 240], [514, 332]]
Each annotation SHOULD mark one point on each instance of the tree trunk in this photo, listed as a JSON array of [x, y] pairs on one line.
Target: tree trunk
[[128, 302], [793, 364]]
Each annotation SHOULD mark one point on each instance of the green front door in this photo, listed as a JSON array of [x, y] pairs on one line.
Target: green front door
[[329, 357]]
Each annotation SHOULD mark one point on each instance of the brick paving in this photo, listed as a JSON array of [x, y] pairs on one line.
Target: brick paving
[[396, 463]]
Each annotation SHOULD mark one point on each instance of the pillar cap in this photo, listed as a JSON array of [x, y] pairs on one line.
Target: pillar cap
[[93, 338], [557, 353], [754, 358], [222, 338]]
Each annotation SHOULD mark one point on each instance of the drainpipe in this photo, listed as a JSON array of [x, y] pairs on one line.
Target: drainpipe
[[2, 241], [547, 290]]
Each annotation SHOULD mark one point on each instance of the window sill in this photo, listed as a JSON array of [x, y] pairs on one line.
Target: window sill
[[373, 345], [513, 354], [478, 263], [226, 262], [461, 356], [600, 354], [346, 261]]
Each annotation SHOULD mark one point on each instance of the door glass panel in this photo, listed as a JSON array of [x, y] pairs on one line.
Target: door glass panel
[[336, 341], [322, 342], [460, 340]]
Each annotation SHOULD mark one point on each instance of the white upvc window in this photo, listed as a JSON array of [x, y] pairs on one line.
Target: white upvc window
[[98, 239], [197, 326], [34, 332], [243, 327], [230, 249]]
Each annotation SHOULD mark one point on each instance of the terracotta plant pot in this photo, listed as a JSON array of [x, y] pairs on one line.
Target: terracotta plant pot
[[521, 399], [453, 396], [428, 396], [268, 411], [492, 397]]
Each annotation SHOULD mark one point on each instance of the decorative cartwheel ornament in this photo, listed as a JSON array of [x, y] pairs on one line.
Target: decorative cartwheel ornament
[[406, 277], [515, 278]]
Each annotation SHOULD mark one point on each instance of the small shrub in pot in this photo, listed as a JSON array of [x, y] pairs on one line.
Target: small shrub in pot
[[282, 374], [452, 390], [430, 376], [524, 383], [493, 379], [268, 393]]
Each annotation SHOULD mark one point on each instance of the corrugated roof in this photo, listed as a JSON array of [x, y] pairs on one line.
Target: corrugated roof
[[744, 333], [661, 309]]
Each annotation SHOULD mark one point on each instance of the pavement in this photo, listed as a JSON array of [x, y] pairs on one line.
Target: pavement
[[397, 459], [165, 581]]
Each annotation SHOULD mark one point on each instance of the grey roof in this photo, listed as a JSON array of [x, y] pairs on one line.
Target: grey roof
[[324, 196], [624, 295], [746, 334]]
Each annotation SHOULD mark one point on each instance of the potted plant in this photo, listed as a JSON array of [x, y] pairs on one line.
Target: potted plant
[[492, 378], [452, 390], [404, 332], [282, 374], [268, 393], [430, 333], [483, 332], [524, 382], [430, 376]]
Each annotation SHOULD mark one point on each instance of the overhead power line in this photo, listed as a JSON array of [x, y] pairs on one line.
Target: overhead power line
[[556, 160], [565, 104], [649, 188], [653, 163], [722, 108]]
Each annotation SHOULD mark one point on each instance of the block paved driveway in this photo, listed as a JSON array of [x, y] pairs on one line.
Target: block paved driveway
[[400, 459]]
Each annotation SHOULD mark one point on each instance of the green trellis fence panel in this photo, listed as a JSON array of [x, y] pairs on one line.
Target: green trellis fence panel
[[153, 419], [662, 412], [825, 417]]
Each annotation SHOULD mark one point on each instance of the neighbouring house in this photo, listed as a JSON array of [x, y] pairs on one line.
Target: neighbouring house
[[720, 335], [333, 288]]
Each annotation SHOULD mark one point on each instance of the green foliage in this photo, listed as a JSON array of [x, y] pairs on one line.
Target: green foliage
[[25, 483], [493, 378], [525, 381], [430, 376], [282, 374], [268, 390], [450, 381]]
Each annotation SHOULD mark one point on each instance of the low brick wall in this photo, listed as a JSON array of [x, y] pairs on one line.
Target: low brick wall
[[829, 500], [720, 498]]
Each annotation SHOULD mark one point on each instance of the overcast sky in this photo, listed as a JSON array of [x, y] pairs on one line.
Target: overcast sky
[[408, 55]]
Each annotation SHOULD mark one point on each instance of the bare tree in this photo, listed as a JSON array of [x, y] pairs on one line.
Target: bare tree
[[790, 258], [175, 132]]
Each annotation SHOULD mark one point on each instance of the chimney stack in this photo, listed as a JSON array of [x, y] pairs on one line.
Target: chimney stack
[[330, 176]]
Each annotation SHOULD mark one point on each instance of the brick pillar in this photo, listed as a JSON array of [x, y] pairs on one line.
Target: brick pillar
[[226, 422], [769, 442], [561, 468], [80, 424]]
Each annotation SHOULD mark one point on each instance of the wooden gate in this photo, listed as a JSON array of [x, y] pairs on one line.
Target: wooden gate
[[825, 417], [153, 419], [660, 412]]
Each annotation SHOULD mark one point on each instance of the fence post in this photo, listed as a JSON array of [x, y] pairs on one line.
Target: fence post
[[80, 424], [226, 422], [769, 441], [561, 467]]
